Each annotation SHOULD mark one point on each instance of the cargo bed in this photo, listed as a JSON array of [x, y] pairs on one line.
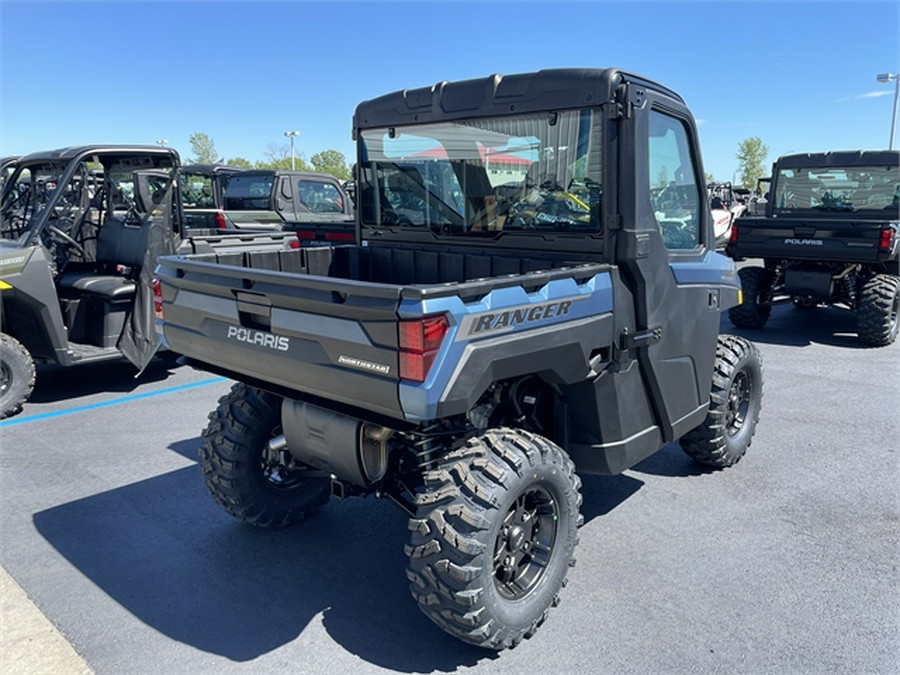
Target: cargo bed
[[294, 320]]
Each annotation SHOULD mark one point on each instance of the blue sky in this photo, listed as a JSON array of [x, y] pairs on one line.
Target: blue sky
[[799, 75]]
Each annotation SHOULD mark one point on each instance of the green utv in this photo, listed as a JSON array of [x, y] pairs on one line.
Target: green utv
[[80, 231], [535, 292]]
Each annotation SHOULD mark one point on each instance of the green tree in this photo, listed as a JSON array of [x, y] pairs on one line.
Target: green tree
[[662, 177], [203, 148], [240, 161], [331, 162], [278, 156], [751, 155]]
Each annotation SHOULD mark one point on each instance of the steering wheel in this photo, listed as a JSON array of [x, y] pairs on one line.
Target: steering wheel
[[677, 235], [59, 235]]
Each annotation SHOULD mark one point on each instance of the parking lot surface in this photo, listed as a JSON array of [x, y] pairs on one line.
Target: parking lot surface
[[786, 562]]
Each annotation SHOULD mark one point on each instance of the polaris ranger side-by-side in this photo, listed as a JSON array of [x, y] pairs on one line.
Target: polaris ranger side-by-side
[[312, 204], [535, 293], [203, 195], [80, 231], [830, 236]]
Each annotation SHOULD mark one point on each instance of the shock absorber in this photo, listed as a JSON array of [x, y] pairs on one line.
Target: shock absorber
[[427, 445]]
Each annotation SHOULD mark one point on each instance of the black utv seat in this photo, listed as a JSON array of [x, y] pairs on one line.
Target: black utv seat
[[119, 244]]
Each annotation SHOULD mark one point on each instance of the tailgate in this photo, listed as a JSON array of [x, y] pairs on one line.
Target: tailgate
[[324, 336], [254, 220], [809, 239]]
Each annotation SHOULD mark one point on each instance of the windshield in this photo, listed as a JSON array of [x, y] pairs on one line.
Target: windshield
[[856, 188], [249, 192], [483, 176]]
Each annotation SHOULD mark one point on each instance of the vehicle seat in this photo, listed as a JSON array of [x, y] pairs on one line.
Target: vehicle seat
[[120, 253]]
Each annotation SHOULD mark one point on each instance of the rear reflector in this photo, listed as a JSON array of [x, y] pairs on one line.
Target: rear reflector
[[220, 220]]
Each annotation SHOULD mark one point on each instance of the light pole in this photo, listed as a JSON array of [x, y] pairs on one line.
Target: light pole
[[292, 135], [162, 142], [887, 78]]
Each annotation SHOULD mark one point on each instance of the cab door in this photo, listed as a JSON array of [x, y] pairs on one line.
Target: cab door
[[284, 199], [666, 251]]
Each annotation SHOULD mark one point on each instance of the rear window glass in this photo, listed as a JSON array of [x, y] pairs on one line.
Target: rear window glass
[[249, 192]]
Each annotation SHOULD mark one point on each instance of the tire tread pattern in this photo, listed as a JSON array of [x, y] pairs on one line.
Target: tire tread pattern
[[22, 374], [876, 323], [751, 313], [448, 544], [709, 443], [229, 451]]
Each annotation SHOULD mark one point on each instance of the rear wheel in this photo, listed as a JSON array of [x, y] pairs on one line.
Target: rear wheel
[[494, 537], [756, 307], [879, 302], [17, 375], [254, 481], [734, 405]]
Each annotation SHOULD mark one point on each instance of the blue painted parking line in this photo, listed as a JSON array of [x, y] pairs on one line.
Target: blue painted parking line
[[105, 404]]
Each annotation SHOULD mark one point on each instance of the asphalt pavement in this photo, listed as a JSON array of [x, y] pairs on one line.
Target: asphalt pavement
[[786, 562]]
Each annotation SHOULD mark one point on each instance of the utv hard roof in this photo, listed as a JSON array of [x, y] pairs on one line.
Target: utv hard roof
[[840, 158], [551, 89], [76, 152], [210, 169], [287, 172]]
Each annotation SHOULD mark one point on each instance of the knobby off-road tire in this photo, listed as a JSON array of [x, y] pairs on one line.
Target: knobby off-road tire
[[234, 468], [879, 302], [755, 309], [17, 374], [734, 405], [494, 536]]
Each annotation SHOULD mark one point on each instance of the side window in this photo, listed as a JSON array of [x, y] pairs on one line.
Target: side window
[[674, 188], [320, 197]]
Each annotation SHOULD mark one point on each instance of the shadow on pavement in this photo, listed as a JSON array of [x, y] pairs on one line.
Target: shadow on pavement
[[794, 327], [57, 383], [163, 550], [672, 461]]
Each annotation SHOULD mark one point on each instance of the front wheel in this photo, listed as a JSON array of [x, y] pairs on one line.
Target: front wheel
[[494, 536], [251, 480], [756, 306], [879, 302], [734, 405], [17, 375]]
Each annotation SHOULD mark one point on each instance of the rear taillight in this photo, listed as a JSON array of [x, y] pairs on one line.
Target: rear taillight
[[157, 299], [420, 341], [220, 221], [339, 236], [305, 234], [886, 240], [732, 238]]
